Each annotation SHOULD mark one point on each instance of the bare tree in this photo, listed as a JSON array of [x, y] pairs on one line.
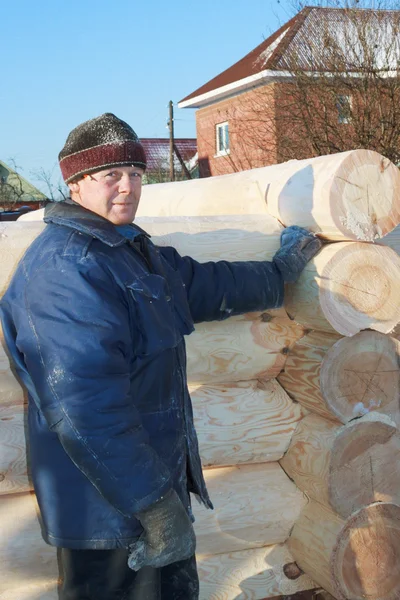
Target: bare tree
[[55, 191], [338, 89]]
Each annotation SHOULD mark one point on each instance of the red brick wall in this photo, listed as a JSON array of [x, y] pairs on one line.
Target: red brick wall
[[273, 124], [251, 130]]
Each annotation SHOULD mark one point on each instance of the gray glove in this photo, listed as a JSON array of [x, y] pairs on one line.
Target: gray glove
[[298, 246], [168, 534]]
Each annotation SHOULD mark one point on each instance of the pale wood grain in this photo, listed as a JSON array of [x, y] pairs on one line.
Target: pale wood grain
[[228, 237], [243, 422], [251, 574], [362, 374], [350, 195], [346, 467], [301, 375], [13, 463], [255, 506], [239, 349], [28, 566], [237, 423], [346, 288], [344, 378], [14, 240]]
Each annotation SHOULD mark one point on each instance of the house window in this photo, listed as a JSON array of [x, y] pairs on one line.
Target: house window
[[344, 106], [222, 135]]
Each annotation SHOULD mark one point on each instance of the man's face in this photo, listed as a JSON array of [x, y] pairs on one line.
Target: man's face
[[111, 193]]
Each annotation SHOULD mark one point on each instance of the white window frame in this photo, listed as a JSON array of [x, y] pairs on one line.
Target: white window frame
[[342, 119], [225, 148]]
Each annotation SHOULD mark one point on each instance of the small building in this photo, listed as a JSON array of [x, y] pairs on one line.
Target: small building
[[16, 192], [158, 159], [250, 114]]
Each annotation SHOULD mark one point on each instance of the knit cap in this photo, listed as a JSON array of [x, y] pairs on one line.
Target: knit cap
[[99, 143]]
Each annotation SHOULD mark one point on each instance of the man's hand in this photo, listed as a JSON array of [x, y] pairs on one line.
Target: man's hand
[[168, 534], [298, 246]]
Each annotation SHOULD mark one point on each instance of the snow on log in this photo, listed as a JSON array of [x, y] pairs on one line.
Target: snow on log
[[352, 195], [346, 288], [241, 348], [254, 506], [346, 467], [344, 378], [257, 574], [243, 422], [353, 559]]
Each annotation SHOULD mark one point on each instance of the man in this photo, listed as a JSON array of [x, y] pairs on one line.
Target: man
[[95, 319]]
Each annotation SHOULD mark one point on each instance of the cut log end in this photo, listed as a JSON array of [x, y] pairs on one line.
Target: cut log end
[[361, 374], [348, 287], [365, 198], [365, 464], [366, 560], [359, 289]]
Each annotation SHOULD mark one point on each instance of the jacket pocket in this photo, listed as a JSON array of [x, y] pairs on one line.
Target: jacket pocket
[[154, 323], [183, 315]]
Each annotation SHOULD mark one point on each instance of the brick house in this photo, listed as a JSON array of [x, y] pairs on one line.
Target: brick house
[[249, 115]]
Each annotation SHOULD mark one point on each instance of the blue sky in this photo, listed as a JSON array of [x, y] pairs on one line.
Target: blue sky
[[65, 61]]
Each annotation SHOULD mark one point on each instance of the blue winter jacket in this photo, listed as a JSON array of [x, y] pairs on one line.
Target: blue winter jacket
[[95, 323]]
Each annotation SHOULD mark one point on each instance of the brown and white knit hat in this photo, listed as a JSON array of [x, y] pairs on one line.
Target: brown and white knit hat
[[103, 142]]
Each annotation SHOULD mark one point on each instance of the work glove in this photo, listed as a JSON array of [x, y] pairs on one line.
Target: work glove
[[168, 534], [298, 246]]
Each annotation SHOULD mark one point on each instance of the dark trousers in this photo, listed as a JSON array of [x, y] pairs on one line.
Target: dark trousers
[[105, 575]]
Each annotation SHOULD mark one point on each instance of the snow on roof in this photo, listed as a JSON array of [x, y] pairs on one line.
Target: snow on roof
[[306, 36]]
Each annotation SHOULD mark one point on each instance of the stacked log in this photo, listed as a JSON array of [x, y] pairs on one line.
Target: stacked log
[[245, 422], [298, 425]]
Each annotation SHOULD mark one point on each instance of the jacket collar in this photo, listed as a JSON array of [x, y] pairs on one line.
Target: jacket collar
[[71, 214]]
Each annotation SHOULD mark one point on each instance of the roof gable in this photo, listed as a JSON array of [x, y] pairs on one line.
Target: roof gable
[[304, 37], [25, 191]]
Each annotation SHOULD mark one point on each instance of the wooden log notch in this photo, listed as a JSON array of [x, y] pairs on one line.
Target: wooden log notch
[[352, 559], [344, 378], [346, 467], [346, 288]]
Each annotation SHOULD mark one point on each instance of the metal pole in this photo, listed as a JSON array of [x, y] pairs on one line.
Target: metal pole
[[171, 141]]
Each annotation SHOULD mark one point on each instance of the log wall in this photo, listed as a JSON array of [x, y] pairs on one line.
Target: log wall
[[296, 464]]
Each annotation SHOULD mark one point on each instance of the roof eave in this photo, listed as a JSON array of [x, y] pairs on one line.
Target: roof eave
[[230, 89]]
